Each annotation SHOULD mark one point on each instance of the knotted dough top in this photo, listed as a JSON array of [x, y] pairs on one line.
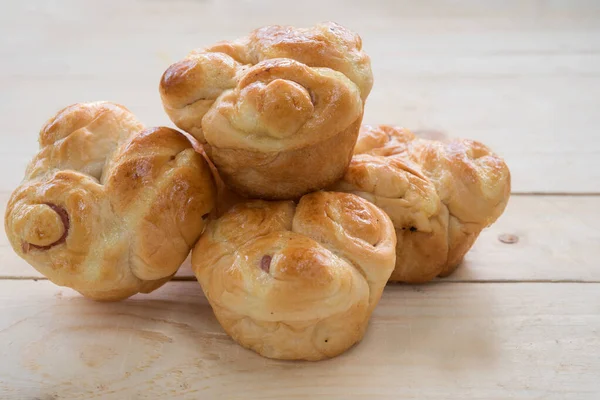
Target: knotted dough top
[[107, 207], [280, 88]]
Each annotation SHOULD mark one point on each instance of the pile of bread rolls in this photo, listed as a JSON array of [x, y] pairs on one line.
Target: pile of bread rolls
[[297, 215]]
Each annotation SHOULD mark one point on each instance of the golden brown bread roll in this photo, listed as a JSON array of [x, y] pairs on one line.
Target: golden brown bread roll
[[107, 207], [439, 195], [296, 281], [278, 111]]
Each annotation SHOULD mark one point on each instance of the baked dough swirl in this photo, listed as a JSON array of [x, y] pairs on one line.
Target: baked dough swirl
[[278, 111], [296, 281], [439, 195], [107, 207]]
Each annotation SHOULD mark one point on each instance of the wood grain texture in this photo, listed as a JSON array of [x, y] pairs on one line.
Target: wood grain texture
[[441, 341], [521, 76], [558, 240]]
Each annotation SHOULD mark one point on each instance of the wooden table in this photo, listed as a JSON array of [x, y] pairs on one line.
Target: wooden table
[[518, 321]]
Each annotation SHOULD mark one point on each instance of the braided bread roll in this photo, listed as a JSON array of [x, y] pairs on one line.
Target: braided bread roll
[[296, 281], [439, 195], [278, 111], [107, 207]]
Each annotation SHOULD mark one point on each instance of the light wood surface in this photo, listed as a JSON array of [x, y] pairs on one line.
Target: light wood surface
[[516, 321], [439, 341], [521, 76]]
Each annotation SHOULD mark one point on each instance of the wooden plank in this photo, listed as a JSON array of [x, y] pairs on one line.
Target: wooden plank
[[558, 240], [521, 76], [468, 341]]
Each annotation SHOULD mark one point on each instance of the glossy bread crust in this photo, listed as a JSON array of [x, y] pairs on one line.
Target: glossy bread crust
[[439, 195], [278, 111], [107, 207], [296, 282]]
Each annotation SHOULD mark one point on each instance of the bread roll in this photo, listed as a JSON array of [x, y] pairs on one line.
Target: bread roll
[[278, 111], [439, 195], [296, 282], [107, 207]]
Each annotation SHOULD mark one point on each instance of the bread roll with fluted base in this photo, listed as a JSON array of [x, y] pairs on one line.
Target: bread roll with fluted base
[[296, 282], [439, 195], [107, 207], [279, 111]]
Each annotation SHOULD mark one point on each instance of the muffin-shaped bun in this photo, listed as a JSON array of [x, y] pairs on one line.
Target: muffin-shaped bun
[[107, 207], [439, 195], [296, 281], [278, 111]]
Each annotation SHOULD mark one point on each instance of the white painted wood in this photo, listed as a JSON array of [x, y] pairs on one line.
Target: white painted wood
[[521, 76], [440, 341]]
